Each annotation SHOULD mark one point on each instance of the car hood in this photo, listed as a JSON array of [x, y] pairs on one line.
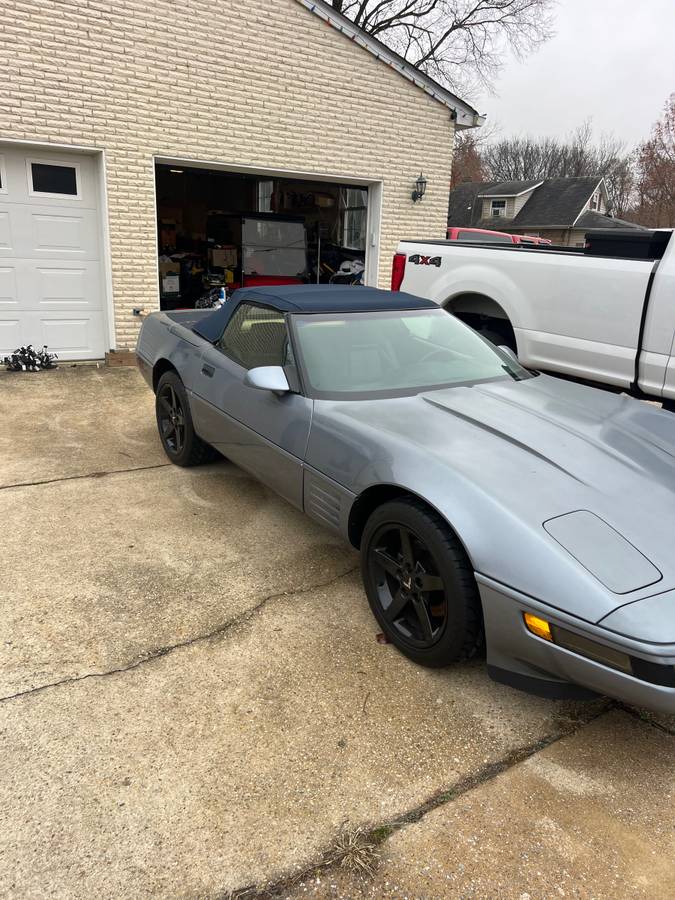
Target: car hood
[[602, 441], [540, 449]]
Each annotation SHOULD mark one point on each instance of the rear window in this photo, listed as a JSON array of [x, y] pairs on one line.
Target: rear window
[[476, 236]]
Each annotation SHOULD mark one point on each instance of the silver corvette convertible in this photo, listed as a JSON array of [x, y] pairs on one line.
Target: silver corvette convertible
[[493, 507]]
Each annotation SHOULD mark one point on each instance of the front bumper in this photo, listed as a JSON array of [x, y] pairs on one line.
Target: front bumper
[[520, 658]]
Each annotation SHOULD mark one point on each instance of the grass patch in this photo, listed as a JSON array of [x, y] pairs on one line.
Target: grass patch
[[354, 850]]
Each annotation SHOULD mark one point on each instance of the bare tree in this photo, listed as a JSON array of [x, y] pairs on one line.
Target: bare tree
[[655, 205], [467, 164], [459, 42], [530, 158]]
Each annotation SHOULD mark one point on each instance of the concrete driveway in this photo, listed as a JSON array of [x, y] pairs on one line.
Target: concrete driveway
[[193, 702]]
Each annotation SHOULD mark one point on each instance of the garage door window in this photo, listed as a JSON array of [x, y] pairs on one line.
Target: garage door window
[[53, 180]]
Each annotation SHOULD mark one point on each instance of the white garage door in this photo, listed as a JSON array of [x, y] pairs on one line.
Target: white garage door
[[51, 285]]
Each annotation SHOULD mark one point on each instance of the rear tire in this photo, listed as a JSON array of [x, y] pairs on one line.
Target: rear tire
[[420, 584], [668, 405], [179, 439]]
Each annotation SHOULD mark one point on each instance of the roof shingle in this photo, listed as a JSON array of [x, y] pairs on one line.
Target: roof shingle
[[557, 202], [592, 220], [464, 207], [509, 188]]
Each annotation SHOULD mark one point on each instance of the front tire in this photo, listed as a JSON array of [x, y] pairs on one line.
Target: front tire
[[179, 439], [420, 584]]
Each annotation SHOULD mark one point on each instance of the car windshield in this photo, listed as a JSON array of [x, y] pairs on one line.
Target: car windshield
[[395, 353]]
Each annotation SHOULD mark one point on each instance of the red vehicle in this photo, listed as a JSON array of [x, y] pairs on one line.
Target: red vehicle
[[479, 235], [482, 235], [529, 239]]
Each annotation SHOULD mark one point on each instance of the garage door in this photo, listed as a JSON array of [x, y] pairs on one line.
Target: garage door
[[51, 285]]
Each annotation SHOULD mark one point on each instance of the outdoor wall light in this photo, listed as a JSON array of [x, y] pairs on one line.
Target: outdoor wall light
[[420, 188]]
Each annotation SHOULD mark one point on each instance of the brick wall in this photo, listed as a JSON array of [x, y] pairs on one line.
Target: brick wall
[[262, 83]]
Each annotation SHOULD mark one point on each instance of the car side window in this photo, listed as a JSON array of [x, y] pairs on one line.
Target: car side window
[[256, 336]]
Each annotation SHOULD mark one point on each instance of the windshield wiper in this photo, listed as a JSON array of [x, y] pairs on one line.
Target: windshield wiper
[[515, 375]]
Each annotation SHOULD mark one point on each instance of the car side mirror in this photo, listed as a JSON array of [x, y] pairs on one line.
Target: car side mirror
[[509, 352], [267, 378]]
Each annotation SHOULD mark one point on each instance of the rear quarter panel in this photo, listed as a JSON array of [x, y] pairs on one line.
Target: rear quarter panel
[[160, 338]]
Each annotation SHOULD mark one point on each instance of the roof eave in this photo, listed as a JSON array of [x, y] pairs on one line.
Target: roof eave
[[601, 181], [463, 115], [518, 194], [544, 227]]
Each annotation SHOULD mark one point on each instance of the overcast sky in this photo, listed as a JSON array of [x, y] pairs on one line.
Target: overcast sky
[[612, 60]]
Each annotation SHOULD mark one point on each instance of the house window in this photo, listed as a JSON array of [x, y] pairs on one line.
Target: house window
[[265, 191], [354, 207], [52, 180], [595, 200], [498, 208]]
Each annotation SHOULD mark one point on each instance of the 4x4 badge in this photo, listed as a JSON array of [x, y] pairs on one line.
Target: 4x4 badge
[[419, 260]]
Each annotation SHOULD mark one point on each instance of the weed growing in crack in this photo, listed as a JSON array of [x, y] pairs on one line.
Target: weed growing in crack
[[354, 850]]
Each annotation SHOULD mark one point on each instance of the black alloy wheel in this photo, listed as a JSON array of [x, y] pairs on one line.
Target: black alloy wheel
[[171, 418], [179, 439], [410, 589], [420, 583]]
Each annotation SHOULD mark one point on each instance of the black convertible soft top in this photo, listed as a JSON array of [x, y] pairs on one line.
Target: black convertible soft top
[[309, 298]]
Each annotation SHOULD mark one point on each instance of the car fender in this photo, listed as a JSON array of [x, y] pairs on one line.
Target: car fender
[[350, 461]]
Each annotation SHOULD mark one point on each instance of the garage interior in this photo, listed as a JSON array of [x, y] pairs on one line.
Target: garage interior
[[219, 230]]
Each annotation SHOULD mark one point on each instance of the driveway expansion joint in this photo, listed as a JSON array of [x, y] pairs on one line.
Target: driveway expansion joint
[[645, 717], [160, 652], [379, 833], [22, 484]]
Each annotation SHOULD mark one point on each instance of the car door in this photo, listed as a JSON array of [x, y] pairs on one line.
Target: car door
[[261, 431]]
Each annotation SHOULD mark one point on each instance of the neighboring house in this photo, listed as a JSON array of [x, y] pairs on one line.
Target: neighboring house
[[130, 131], [563, 210]]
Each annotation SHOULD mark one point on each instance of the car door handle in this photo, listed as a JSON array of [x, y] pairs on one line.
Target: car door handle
[[208, 370]]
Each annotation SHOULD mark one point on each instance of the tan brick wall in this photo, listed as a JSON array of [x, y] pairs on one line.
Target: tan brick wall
[[262, 83]]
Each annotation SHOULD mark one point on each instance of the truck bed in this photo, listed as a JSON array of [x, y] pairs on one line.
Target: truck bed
[[603, 313]]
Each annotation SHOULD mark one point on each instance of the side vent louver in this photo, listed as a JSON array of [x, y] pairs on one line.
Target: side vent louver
[[322, 502]]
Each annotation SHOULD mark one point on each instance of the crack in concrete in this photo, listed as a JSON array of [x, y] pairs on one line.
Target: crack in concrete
[[22, 484], [160, 652], [646, 717], [378, 834]]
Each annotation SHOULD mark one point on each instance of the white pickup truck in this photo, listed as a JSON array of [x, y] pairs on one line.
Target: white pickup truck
[[604, 314]]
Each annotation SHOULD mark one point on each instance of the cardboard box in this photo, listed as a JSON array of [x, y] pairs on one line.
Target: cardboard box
[[169, 268], [223, 257]]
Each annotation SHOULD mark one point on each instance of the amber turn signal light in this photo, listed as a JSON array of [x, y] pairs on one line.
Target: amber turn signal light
[[538, 626]]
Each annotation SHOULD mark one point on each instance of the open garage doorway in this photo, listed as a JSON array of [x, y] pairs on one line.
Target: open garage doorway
[[219, 230]]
